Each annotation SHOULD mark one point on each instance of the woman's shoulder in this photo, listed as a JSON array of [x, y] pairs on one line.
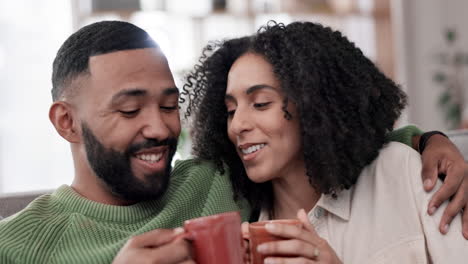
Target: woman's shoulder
[[397, 155], [396, 165], [396, 149]]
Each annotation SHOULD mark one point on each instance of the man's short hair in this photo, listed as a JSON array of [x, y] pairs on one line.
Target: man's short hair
[[94, 39]]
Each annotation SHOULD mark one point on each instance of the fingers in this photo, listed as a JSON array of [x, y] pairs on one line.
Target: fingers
[[274, 260], [174, 252], [286, 231], [454, 207], [453, 180], [157, 246], [465, 222], [464, 188], [154, 238], [456, 185], [289, 231], [302, 216], [300, 243], [246, 248], [246, 243], [190, 261], [245, 230], [293, 247], [429, 171]]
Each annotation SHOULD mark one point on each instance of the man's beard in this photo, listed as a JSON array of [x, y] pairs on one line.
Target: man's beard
[[114, 168]]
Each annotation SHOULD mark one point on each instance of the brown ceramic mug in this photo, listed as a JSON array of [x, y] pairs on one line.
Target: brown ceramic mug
[[259, 235], [216, 238]]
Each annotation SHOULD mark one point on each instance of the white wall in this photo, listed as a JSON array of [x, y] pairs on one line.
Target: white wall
[[32, 155], [419, 35]]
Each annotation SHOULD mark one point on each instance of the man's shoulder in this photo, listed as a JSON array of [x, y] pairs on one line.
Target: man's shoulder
[[198, 173], [197, 167], [39, 210], [193, 163], [202, 185], [16, 230], [34, 209]]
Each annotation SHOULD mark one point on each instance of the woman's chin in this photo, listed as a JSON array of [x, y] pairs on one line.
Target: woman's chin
[[259, 178]]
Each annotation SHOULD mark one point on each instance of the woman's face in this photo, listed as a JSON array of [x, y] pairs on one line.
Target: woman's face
[[268, 144]]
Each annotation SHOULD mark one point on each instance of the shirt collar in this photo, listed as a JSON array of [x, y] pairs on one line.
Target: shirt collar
[[341, 206]]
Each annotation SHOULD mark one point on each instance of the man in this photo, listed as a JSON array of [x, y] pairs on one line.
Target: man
[[116, 103]]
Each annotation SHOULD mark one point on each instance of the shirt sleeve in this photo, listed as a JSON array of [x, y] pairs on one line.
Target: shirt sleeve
[[404, 135], [449, 248]]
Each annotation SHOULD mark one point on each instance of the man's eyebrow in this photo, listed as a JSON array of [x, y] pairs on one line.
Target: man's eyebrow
[[258, 87], [132, 92], [138, 92]]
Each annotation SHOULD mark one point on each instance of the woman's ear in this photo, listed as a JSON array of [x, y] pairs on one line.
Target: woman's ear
[[61, 116]]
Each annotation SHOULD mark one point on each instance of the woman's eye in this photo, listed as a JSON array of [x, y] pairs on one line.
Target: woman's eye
[[169, 108], [231, 113], [261, 105]]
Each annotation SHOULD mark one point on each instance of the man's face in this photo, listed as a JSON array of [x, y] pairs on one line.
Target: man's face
[[128, 108]]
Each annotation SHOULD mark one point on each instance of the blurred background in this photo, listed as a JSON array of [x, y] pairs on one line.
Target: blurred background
[[421, 44]]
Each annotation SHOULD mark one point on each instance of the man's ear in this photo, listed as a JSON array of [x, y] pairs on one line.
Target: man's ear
[[61, 116]]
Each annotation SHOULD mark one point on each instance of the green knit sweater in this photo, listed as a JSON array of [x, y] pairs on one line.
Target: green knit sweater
[[66, 228]]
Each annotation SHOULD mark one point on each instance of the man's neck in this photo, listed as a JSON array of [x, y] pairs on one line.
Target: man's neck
[[94, 191]]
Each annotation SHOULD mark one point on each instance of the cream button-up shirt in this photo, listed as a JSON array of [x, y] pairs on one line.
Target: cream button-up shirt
[[383, 218]]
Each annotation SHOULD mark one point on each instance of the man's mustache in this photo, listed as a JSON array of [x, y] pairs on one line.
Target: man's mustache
[[151, 143]]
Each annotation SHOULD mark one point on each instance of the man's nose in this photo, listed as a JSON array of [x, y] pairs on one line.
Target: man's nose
[[155, 126]]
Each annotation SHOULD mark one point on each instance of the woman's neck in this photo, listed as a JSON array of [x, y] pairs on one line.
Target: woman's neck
[[291, 193]]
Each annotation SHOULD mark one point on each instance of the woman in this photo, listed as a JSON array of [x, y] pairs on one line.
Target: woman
[[307, 116]]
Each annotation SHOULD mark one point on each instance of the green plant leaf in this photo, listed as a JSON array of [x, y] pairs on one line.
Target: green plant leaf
[[450, 35], [454, 114], [439, 77], [444, 98]]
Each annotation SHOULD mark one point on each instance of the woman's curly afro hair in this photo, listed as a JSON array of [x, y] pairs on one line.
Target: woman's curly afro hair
[[345, 105]]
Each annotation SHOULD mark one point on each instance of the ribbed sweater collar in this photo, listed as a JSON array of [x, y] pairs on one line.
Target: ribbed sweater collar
[[72, 202]]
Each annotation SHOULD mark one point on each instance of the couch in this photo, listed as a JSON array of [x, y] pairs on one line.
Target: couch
[[14, 202]]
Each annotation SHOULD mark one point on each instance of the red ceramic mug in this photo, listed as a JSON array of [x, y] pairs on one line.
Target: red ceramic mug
[[259, 235], [216, 238]]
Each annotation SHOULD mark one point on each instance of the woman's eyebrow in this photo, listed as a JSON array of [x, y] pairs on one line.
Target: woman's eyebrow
[[250, 90], [258, 87], [229, 97]]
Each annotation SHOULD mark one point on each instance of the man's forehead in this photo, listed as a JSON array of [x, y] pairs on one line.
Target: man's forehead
[[131, 66], [142, 70], [123, 95], [128, 59]]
